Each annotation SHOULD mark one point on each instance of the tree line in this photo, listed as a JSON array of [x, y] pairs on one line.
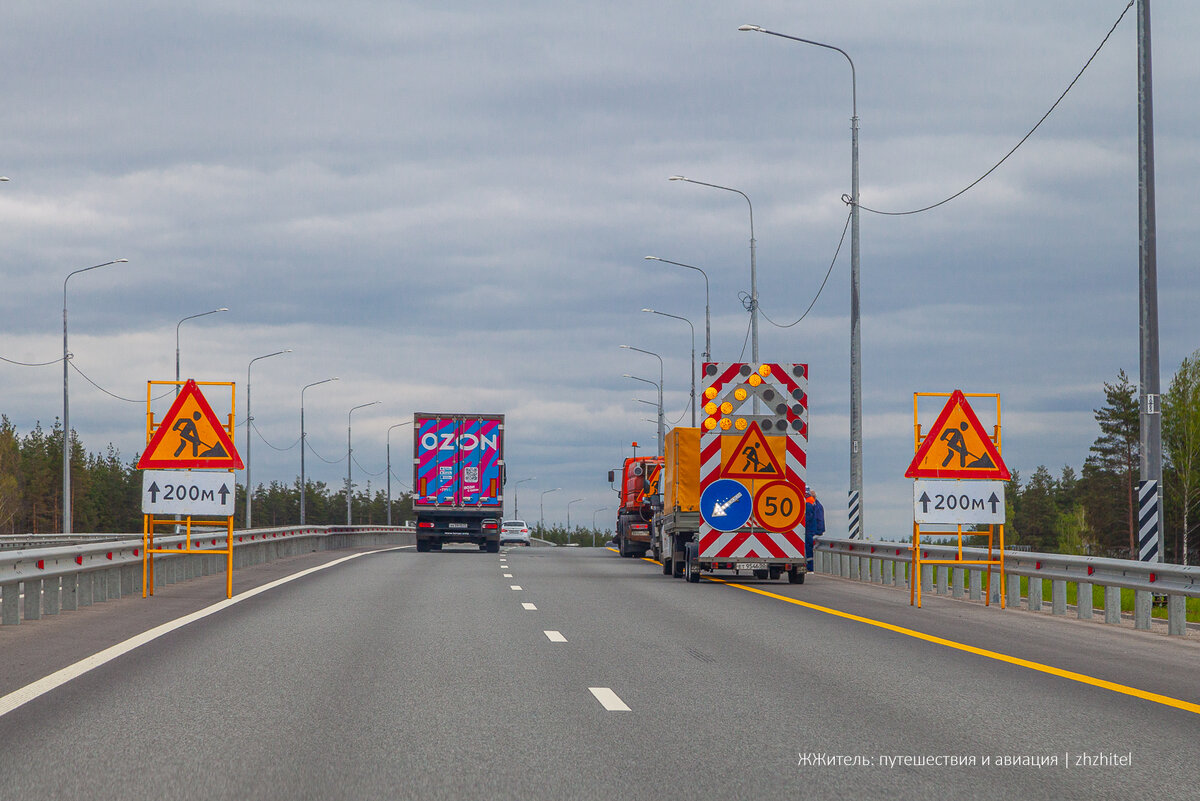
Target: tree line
[[1095, 511], [106, 492]]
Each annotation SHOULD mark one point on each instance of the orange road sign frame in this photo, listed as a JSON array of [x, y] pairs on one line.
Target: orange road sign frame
[[190, 435], [957, 435], [760, 448]]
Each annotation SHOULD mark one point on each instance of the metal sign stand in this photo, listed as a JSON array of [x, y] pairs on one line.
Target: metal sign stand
[[995, 532], [152, 522]]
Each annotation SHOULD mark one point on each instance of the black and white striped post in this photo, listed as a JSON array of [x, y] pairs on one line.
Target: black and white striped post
[[855, 516]]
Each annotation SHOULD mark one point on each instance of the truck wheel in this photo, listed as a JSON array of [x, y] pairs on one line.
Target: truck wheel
[[666, 566], [483, 546], [623, 549], [760, 574], [422, 546], [492, 546], [435, 546], [677, 565], [795, 577], [774, 573], [691, 563]]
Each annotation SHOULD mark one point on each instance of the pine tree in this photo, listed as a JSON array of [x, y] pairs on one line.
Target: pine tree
[[1116, 452]]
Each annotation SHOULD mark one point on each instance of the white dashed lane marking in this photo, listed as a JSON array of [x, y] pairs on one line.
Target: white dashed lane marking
[[514, 586], [529, 607], [555, 636], [609, 700]]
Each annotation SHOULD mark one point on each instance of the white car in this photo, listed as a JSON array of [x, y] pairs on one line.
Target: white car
[[514, 531]]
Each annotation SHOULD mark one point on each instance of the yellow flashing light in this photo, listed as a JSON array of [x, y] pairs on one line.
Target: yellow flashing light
[[740, 424], [726, 408], [726, 423], [710, 424], [710, 408], [710, 393], [764, 370], [740, 393], [754, 380]]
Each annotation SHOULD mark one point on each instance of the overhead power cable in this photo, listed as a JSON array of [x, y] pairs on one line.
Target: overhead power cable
[[847, 199]]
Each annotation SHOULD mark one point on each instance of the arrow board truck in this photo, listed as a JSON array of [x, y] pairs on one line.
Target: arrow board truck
[[458, 479]]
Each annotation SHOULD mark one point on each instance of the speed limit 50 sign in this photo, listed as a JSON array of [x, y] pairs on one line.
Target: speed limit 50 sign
[[779, 506]]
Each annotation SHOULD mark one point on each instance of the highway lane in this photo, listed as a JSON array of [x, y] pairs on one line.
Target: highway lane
[[404, 675]]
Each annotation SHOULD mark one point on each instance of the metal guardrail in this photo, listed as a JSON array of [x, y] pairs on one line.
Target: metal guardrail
[[47, 580], [890, 563]]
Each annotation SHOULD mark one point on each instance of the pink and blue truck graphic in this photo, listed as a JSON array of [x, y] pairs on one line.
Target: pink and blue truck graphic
[[458, 479]]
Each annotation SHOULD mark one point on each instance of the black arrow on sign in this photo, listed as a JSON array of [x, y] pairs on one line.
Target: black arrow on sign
[[924, 499], [994, 501], [153, 490], [223, 492]]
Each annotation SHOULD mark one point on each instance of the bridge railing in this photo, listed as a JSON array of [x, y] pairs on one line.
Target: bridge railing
[[890, 563], [45, 580]]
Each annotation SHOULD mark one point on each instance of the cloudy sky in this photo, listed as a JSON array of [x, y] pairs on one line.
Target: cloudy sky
[[447, 206]]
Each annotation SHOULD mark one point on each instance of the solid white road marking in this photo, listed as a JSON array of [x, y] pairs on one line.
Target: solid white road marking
[[514, 586], [528, 606], [18, 698], [555, 636], [609, 700]]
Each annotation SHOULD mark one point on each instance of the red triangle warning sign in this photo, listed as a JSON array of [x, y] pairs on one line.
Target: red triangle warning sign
[[190, 436], [957, 446], [752, 458]]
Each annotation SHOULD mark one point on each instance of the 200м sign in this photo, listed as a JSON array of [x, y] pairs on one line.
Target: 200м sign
[[180, 492], [950, 502]]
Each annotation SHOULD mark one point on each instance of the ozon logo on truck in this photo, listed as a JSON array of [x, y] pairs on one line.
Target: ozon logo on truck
[[466, 442]]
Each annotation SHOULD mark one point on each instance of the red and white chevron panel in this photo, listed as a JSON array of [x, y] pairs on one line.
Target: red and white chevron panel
[[783, 396]]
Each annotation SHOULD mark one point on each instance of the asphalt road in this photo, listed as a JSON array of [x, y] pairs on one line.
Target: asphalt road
[[405, 675]]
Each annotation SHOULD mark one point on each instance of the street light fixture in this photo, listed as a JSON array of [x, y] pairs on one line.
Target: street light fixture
[[856, 502], [249, 420], [542, 510], [389, 467], [66, 448], [350, 459], [574, 500], [753, 268], [181, 322], [516, 504], [661, 427], [660, 406], [689, 322], [707, 321], [303, 483], [601, 509]]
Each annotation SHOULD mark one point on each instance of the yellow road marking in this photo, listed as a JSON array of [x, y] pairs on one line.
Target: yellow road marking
[[1166, 700]]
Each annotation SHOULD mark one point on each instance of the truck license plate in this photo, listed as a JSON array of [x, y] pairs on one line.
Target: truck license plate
[[752, 565], [457, 525]]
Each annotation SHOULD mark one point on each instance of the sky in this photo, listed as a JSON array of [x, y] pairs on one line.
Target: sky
[[448, 205]]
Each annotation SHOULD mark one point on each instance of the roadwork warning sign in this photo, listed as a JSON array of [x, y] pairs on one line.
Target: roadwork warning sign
[[957, 446], [190, 436]]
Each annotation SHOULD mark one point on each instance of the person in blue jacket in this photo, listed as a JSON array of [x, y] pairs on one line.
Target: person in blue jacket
[[814, 523]]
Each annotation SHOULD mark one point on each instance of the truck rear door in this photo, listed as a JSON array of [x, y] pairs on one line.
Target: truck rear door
[[480, 449]]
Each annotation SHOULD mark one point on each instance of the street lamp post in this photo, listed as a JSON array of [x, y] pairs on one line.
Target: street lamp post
[[389, 468], [753, 268], [350, 459], [574, 500], [181, 322], [303, 483], [689, 322], [516, 503], [601, 509], [707, 320], [661, 427], [856, 503], [660, 407], [542, 510], [249, 420], [66, 448]]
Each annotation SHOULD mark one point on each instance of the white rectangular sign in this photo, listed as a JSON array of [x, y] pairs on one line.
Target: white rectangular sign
[[182, 492], [942, 501]]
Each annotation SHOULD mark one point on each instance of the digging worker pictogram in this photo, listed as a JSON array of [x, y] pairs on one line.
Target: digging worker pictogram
[[752, 463]]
